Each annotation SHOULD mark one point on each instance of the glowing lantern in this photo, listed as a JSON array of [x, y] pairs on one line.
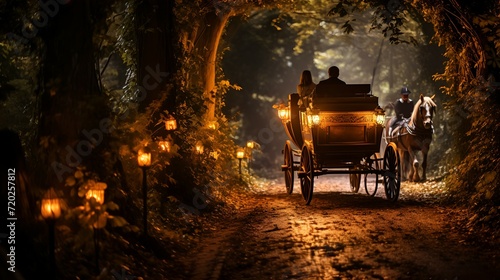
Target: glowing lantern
[[379, 116], [51, 206], [199, 148], [171, 124], [144, 158], [240, 153], [96, 191], [250, 144], [212, 125], [165, 145], [283, 113]]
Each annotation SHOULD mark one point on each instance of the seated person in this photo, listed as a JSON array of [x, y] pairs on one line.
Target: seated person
[[305, 88], [331, 85], [403, 108]]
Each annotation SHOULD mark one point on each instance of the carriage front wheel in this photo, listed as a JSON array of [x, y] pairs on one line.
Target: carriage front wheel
[[307, 176], [392, 172], [288, 167]]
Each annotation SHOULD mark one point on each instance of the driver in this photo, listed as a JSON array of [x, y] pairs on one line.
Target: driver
[[403, 107]]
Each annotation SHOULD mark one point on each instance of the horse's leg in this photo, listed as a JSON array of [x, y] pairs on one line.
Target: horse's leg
[[425, 151], [403, 164], [414, 166]]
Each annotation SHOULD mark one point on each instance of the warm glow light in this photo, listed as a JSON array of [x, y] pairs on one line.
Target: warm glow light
[[315, 119], [215, 155], [171, 124], [165, 145], [380, 119], [379, 116], [144, 158], [240, 153], [250, 144], [96, 191], [283, 113], [199, 148], [212, 125], [51, 208]]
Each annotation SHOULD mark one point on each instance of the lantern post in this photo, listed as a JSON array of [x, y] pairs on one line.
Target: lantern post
[[51, 211], [144, 162]]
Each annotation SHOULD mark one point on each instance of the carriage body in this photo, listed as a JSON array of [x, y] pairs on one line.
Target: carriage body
[[334, 135]]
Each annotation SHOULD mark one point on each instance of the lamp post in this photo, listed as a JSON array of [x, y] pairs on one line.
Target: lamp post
[[240, 154], [51, 211], [250, 147], [144, 161], [96, 191]]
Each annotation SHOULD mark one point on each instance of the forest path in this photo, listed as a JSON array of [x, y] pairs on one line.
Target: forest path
[[339, 236]]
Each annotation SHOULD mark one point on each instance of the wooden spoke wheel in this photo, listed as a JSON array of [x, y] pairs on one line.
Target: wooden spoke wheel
[[392, 172], [354, 180], [288, 162], [371, 179], [307, 177]]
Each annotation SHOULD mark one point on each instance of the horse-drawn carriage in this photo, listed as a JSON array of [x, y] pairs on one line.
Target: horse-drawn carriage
[[338, 135]]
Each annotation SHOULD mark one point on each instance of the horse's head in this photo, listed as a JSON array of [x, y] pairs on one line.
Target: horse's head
[[427, 109]]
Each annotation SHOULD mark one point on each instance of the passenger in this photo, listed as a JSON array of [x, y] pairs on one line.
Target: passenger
[[330, 85], [305, 88], [403, 108], [333, 73]]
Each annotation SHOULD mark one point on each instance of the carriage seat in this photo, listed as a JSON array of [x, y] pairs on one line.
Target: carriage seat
[[339, 90], [344, 98]]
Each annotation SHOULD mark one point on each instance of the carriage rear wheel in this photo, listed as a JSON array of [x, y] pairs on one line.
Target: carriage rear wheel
[[371, 179], [307, 178], [392, 172], [288, 162], [354, 180]]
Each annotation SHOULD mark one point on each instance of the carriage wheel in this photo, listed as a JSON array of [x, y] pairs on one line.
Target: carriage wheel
[[288, 161], [307, 180], [392, 172], [371, 179], [354, 180]]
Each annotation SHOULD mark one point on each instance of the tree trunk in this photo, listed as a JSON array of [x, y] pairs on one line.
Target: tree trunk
[[73, 114], [208, 45], [155, 63]]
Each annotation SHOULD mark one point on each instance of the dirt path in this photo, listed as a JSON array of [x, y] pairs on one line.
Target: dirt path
[[339, 236]]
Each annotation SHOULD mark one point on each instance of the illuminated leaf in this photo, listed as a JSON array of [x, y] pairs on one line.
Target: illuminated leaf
[[70, 181], [117, 221], [101, 221]]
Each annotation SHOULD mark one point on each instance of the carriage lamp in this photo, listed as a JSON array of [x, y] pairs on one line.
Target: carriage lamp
[[379, 116], [283, 113], [144, 158], [171, 124], [165, 145], [51, 211], [96, 191], [313, 118], [199, 147]]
